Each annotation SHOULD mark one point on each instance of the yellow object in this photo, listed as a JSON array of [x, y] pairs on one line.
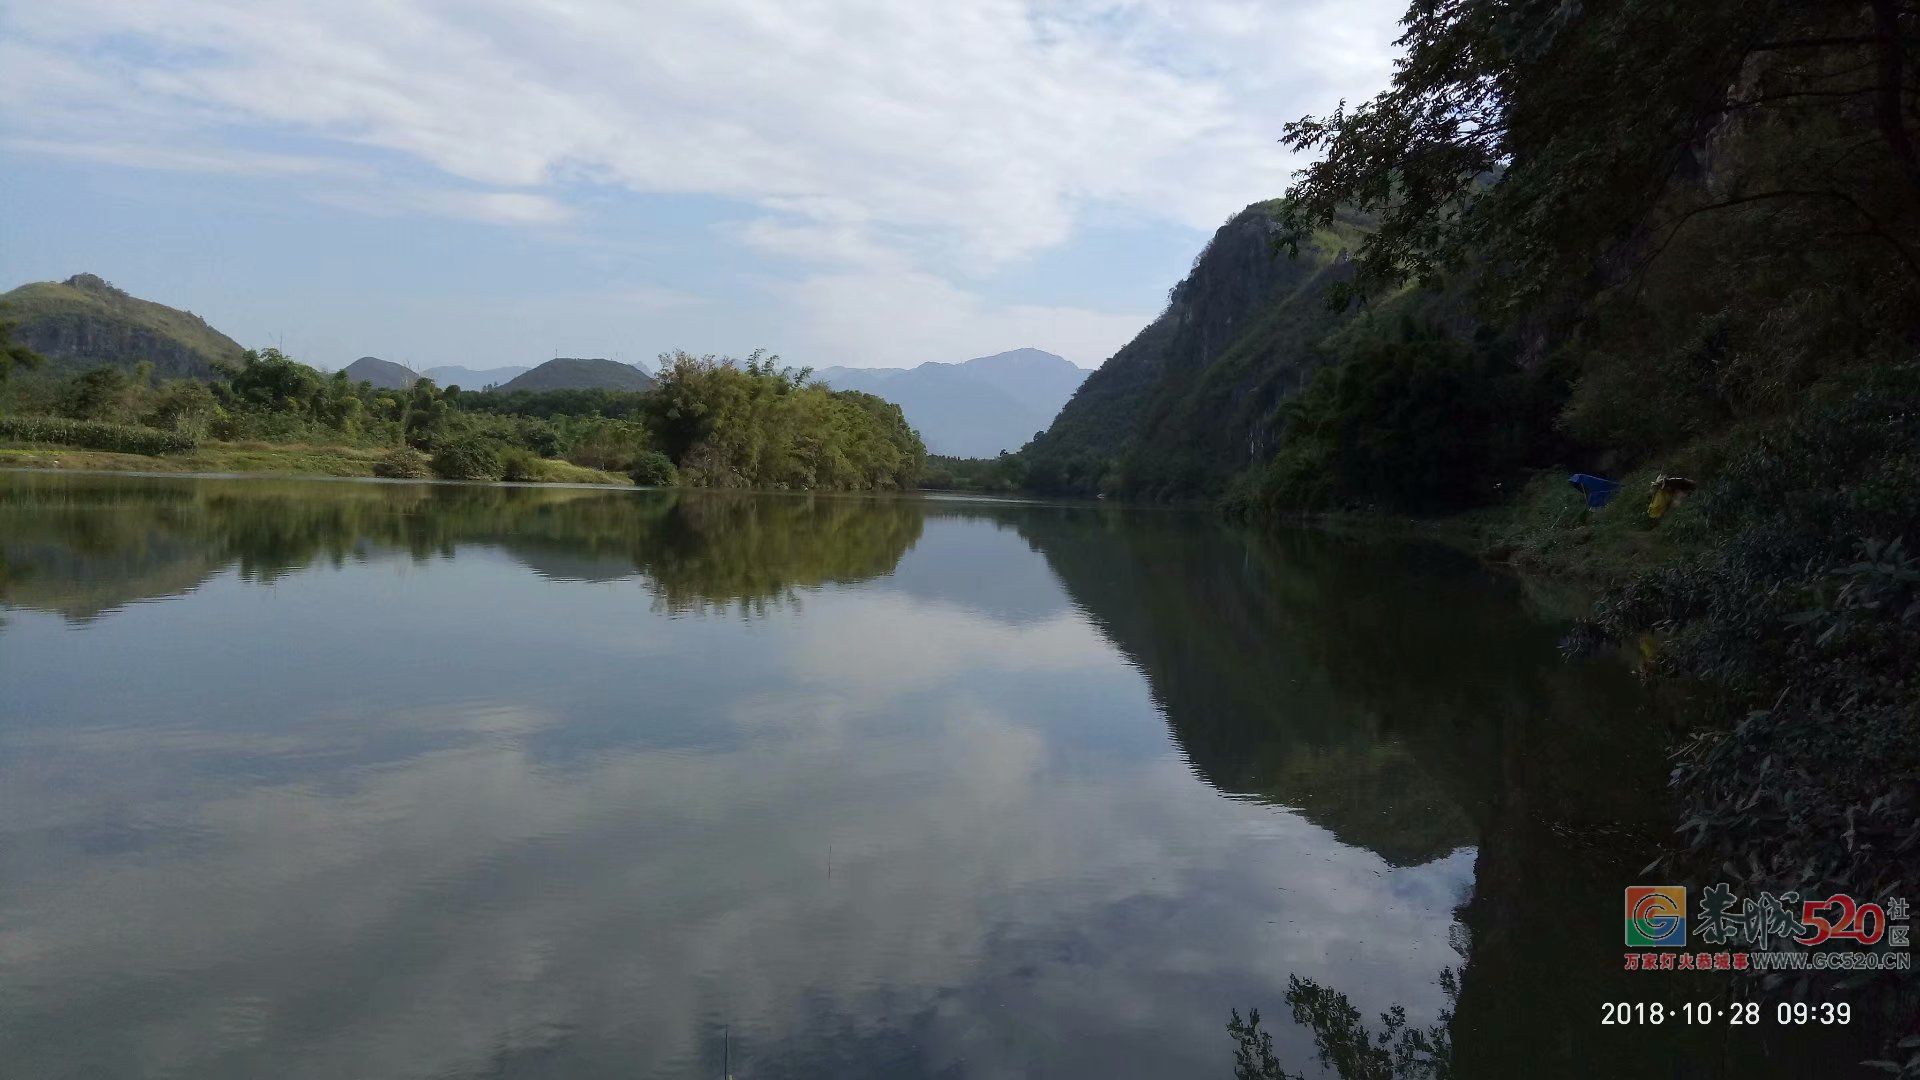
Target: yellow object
[[1667, 492]]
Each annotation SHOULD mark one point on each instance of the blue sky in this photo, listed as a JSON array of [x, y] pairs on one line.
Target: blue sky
[[485, 182]]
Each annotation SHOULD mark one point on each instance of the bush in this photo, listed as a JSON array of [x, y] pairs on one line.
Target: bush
[[94, 435], [403, 463], [520, 465], [1805, 616], [1418, 422], [468, 459], [654, 469]]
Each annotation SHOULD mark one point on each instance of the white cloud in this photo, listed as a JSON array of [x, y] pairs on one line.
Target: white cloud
[[949, 138], [511, 207]]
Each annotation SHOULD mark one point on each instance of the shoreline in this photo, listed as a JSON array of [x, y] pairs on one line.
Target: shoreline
[[287, 461]]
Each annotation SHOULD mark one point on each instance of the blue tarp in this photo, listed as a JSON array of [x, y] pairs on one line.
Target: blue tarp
[[1598, 489]]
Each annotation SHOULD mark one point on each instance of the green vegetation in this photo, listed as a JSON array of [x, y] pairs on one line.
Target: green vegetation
[[754, 424], [12, 353], [573, 373], [1001, 475], [468, 459], [1638, 239], [92, 435], [710, 423], [1188, 403], [1711, 264], [1418, 421]]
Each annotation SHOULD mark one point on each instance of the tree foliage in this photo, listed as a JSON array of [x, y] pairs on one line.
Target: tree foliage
[[12, 353], [1416, 421], [714, 422], [1708, 215], [1558, 146], [754, 423]]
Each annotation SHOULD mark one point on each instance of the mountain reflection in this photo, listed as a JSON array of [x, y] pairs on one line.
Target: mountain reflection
[[1309, 672], [555, 783], [83, 546]]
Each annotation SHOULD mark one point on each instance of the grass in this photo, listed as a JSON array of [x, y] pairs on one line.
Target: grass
[[293, 459]]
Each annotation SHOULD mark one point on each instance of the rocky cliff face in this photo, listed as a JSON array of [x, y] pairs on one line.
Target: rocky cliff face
[[1192, 399], [84, 321]]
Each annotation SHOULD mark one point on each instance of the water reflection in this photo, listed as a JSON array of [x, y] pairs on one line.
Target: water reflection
[[85, 545], [462, 781]]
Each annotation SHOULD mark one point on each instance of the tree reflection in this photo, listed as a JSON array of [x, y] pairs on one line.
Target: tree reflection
[[86, 545], [1344, 1042]]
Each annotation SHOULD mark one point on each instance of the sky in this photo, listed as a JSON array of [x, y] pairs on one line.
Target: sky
[[870, 183]]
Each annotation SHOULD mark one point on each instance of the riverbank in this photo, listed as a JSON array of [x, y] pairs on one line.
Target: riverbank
[[278, 459]]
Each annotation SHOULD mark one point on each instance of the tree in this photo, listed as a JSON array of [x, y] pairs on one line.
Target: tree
[[96, 394], [275, 382], [12, 353], [753, 423], [1557, 144]]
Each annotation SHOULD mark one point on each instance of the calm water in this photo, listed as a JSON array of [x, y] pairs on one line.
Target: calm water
[[305, 779]]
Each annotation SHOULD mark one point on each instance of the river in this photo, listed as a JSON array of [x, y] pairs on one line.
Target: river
[[352, 779]]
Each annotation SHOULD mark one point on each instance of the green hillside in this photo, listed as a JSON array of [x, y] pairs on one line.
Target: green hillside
[[1192, 400], [85, 322], [576, 373], [1672, 250], [383, 374]]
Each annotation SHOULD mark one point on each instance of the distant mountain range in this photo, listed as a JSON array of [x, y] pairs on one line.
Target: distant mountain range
[[976, 408], [84, 322], [972, 409], [576, 373], [467, 378]]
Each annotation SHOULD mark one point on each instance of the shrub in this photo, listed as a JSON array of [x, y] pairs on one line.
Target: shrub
[[98, 394], [468, 459], [94, 435], [1806, 617], [1420, 422], [654, 469], [520, 465], [403, 463]]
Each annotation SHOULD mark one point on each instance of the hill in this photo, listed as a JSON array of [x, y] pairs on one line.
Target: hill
[[383, 374], [1192, 399], [976, 408], [574, 373], [85, 322], [467, 378]]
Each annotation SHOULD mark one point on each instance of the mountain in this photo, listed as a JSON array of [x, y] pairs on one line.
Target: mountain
[[574, 373], [467, 378], [972, 409], [383, 374], [84, 322], [1193, 398]]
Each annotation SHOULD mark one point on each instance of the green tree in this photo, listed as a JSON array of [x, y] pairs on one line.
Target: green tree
[[754, 423], [271, 381], [185, 406], [96, 394], [1559, 145], [12, 353]]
